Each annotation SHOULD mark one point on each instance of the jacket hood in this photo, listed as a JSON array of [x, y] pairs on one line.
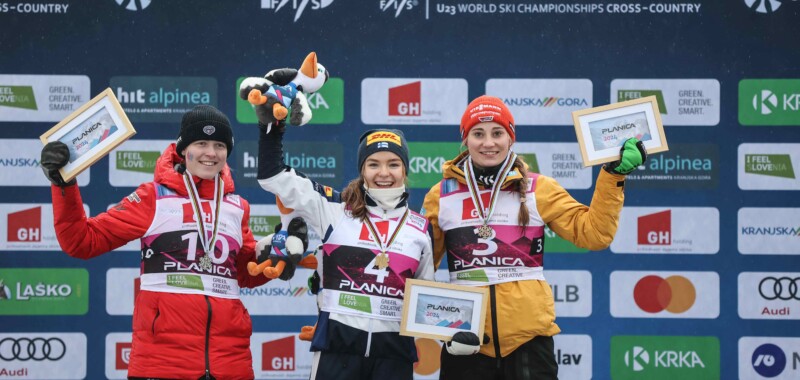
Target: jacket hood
[[166, 175], [453, 169]]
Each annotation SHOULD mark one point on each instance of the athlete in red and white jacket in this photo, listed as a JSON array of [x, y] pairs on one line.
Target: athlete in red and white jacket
[[188, 320]]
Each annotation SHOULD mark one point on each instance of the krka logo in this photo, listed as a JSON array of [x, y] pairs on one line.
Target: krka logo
[[775, 165], [769, 102], [664, 357]]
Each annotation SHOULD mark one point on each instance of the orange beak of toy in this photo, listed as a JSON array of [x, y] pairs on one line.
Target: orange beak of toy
[[309, 67]]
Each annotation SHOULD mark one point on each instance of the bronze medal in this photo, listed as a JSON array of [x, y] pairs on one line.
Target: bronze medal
[[485, 231]]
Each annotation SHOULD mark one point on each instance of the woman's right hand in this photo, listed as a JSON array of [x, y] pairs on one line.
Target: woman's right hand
[[55, 155]]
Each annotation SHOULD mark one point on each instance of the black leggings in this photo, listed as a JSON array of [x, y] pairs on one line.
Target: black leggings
[[533, 360]]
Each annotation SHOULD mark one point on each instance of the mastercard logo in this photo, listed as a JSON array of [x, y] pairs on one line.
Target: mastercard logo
[[654, 294], [428, 352]]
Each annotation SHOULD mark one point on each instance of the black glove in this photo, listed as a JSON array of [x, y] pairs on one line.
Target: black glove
[[465, 343], [55, 155], [314, 282], [631, 155]]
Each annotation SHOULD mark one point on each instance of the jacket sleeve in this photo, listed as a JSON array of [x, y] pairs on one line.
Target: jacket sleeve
[[84, 237], [592, 227], [247, 254], [430, 210]]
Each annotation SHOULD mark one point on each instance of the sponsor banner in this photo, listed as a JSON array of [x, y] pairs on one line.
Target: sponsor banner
[[561, 161], [52, 355], [436, 101], [555, 9], [542, 101], [327, 105], [572, 292], [425, 163], [44, 291], [769, 295], [294, 296], [768, 166], [162, 99], [573, 356], [671, 230], [665, 357], [680, 101], [661, 294], [556, 244], [769, 358], [122, 285], [320, 161], [118, 354], [20, 166], [28, 227], [48, 98], [766, 231], [134, 161], [769, 102], [684, 166], [280, 356]]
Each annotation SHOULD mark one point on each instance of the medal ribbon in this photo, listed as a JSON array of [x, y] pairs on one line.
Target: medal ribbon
[[219, 186], [373, 231], [474, 191]]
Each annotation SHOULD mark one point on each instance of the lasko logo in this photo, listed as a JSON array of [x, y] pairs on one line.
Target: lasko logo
[[134, 5], [397, 6], [44, 291], [572, 292], [52, 355], [765, 295], [765, 230], [676, 230], [684, 166], [689, 102], [763, 6], [664, 357], [769, 102], [327, 105], [436, 101], [425, 163], [48, 98], [768, 166], [319, 161], [405, 100], [623, 95], [561, 161], [162, 99], [769, 358], [278, 355], [25, 225], [638, 294], [542, 101], [298, 6]]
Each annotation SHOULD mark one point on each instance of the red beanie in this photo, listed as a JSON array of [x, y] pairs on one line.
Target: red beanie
[[487, 108]]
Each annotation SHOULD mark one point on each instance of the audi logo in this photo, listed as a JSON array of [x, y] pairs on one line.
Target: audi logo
[[783, 288], [36, 349]]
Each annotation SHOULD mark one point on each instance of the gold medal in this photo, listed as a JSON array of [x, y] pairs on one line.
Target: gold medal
[[485, 231], [382, 260]]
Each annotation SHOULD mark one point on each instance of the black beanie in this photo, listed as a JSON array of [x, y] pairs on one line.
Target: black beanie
[[378, 140], [204, 122]]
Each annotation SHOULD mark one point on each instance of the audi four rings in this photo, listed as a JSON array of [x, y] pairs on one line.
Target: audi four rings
[[782, 288], [36, 349]]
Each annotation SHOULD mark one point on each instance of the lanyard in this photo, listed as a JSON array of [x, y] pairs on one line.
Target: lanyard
[[206, 241], [484, 214], [383, 259]]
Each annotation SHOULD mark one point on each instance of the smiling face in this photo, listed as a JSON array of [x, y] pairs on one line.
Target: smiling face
[[205, 158], [383, 170], [488, 144]]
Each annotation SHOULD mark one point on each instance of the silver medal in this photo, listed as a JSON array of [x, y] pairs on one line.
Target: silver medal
[[205, 263]]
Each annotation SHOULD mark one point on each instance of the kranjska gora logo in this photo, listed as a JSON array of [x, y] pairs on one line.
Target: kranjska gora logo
[[397, 6], [298, 5], [133, 5]]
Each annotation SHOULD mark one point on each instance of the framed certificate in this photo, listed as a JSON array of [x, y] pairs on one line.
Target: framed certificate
[[603, 130], [91, 132], [438, 310]]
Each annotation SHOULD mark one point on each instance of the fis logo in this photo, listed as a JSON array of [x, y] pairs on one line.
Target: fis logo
[[468, 207], [383, 231], [25, 225], [123, 355], [655, 229], [188, 212], [763, 6], [298, 5], [278, 355], [406, 100], [397, 5]]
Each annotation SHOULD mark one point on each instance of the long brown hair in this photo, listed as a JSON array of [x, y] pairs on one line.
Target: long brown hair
[[354, 198], [522, 188]]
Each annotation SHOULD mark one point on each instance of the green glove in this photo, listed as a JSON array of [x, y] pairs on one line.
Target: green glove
[[631, 155]]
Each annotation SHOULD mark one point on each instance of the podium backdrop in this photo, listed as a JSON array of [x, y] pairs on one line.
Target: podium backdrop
[[701, 281]]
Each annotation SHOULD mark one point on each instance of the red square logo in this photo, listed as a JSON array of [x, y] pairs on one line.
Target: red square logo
[[278, 355], [405, 100], [655, 229], [188, 212], [383, 230], [25, 225], [468, 210], [123, 355]]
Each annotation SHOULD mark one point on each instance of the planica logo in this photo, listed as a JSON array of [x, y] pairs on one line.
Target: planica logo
[[663, 357]]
